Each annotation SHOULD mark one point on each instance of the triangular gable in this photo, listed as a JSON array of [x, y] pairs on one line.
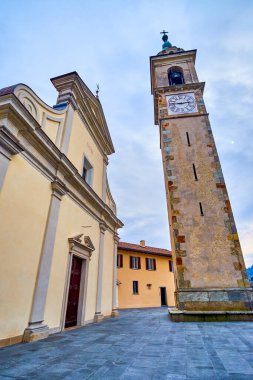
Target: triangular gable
[[71, 88]]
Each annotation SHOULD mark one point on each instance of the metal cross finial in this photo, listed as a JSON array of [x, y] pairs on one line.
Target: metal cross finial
[[97, 91], [163, 32]]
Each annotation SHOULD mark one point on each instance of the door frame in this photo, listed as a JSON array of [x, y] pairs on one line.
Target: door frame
[[84, 252], [166, 298]]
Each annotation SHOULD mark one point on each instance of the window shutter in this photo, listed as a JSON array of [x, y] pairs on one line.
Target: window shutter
[[131, 261], [139, 263], [121, 261], [146, 259], [154, 264]]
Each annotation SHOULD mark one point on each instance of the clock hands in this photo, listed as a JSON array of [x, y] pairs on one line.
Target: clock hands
[[182, 102]]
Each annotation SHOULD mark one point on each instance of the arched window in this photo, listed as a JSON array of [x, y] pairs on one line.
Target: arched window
[[175, 76]]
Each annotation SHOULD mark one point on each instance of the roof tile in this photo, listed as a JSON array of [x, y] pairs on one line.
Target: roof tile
[[146, 249], [7, 90]]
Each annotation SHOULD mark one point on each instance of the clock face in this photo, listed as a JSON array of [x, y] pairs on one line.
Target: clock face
[[181, 103]]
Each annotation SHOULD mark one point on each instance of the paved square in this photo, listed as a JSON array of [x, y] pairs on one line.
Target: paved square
[[140, 344]]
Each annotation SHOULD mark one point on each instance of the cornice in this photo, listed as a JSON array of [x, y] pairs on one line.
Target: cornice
[[174, 55], [103, 227], [116, 238], [58, 189], [180, 87], [9, 144], [55, 162]]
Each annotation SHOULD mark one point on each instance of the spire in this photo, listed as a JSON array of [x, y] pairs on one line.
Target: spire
[[166, 43]]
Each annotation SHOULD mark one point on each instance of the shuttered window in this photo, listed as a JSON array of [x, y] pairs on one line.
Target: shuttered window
[[119, 260], [150, 264], [171, 265], [135, 262]]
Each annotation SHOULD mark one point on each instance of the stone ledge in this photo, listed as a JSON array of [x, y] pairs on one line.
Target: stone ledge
[[177, 315], [32, 334], [115, 313], [98, 317]]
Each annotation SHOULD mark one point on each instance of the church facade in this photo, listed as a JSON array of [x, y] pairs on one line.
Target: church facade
[[210, 277], [58, 222]]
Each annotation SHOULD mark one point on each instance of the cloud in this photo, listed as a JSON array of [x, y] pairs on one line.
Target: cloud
[[109, 42], [246, 237]]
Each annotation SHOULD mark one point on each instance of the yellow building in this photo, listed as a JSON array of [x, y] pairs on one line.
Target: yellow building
[[58, 226], [145, 276]]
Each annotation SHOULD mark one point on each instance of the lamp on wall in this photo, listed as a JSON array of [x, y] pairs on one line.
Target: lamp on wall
[[149, 286]]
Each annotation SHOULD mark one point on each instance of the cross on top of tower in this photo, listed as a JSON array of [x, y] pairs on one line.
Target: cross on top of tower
[[166, 43], [164, 37], [97, 91]]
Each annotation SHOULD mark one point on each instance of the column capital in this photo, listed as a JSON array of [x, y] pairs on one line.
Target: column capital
[[9, 144], [58, 189], [116, 238], [106, 160], [103, 227]]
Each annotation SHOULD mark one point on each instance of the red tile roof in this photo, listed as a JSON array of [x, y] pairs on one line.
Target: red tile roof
[[146, 249], [7, 90]]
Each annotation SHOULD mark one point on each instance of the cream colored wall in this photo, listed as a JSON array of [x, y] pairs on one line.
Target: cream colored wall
[[107, 274], [161, 277], [52, 129], [71, 220], [22, 227], [82, 144], [51, 120]]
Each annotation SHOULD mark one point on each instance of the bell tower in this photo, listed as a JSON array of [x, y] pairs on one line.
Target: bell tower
[[210, 277]]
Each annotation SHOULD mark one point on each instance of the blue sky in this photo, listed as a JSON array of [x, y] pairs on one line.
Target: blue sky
[[109, 42]]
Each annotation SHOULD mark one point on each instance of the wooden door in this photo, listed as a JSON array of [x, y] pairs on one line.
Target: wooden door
[[74, 290]]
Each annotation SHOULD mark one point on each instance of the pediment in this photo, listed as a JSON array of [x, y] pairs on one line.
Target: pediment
[[80, 244], [88, 243], [72, 89]]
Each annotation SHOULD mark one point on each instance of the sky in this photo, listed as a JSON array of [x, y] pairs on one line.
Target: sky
[[109, 42]]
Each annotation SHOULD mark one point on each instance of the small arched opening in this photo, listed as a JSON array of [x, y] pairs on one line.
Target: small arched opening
[[175, 76]]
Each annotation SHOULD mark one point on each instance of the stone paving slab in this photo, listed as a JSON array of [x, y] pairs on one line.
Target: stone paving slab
[[141, 344]]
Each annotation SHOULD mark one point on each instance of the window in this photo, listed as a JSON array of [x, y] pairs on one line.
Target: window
[[194, 172], [150, 264], [201, 209], [135, 262], [171, 265], [135, 287], [119, 260], [175, 76], [87, 171], [188, 139]]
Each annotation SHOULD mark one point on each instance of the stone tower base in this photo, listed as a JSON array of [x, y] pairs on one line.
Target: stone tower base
[[210, 316], [230, 304]]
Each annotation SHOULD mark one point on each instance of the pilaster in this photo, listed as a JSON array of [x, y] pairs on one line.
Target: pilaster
[[98, 314], [67, 129], [115, 311], [105, 163], [36, 329]]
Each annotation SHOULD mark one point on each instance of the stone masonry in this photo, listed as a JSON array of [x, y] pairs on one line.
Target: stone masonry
[[210, 272]]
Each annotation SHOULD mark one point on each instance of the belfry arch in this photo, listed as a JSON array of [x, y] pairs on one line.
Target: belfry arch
[[175, 76]]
